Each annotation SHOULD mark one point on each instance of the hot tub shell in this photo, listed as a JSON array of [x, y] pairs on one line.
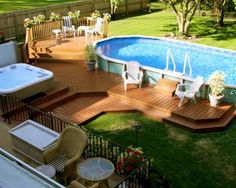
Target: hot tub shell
[[31, 88]]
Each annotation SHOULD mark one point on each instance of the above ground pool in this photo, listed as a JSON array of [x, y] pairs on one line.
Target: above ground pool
[[152, 52]]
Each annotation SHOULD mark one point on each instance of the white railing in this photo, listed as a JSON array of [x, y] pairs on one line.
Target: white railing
[[168, 57], [187, 62]]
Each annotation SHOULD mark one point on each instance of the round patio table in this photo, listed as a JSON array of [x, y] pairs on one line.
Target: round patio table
[[95, 169]]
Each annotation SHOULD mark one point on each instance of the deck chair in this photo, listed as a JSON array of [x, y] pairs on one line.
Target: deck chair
[[68, 27], [189, 90], [132, 75], [96, 29], [64, 155]]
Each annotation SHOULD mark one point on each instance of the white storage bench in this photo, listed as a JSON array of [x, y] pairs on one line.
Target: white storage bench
[[32, 139]]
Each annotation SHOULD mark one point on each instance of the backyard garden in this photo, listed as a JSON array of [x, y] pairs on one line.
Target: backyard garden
[[186, 159], [161, 21]]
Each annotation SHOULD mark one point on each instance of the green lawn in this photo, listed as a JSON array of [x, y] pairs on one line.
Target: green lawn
[[157, 23], [162, 21], [11, 5], [187, 159]]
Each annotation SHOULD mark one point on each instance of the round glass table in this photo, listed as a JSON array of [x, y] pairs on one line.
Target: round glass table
[[95, 169]]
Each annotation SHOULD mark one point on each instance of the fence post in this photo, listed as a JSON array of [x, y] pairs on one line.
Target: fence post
[[126, 7], [15, 26], [93, 5]]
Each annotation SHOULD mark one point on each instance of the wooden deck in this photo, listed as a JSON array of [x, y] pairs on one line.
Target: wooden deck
[[95, 93]]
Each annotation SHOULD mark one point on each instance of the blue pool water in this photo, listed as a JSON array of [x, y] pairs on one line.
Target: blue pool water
[[152, 52]]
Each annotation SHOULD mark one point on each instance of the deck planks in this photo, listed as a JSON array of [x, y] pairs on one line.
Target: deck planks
[[146, 99]]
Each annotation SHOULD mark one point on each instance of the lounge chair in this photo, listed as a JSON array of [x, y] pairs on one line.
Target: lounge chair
[[132, 75], [96, 29], [189, 90], [68, 27], [63, 156]]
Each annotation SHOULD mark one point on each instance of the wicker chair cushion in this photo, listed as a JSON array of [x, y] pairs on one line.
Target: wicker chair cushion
[[59, 162]]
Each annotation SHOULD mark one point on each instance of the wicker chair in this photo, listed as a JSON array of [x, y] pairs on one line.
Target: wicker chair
[[63, 156]]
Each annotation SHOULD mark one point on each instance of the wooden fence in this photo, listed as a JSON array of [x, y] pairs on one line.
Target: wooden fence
[[12, 24]]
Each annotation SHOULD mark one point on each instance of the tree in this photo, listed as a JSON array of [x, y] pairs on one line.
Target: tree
[[219, 7], [114, 5], [185, 11]]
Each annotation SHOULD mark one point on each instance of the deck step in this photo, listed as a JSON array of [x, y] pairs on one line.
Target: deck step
[[198, 115], [59, 100], [148, 109], [166, 86], [51, 96], [56, 61], [72, 56], [204, 126]]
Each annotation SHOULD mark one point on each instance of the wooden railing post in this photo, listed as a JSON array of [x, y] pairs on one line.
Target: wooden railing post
[[29, 36], [105, 29]]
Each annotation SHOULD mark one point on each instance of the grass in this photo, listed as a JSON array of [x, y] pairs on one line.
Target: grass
[[157, 23], [162, 21], [187, 159], [8, 5]]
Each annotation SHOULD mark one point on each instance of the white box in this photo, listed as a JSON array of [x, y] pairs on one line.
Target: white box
[[32, 139]]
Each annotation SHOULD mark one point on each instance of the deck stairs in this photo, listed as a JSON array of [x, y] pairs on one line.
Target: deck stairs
[[69, 49], [166, 86], [196, 118]]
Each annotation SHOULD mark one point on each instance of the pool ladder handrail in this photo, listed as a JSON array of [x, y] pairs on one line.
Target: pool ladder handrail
[[187, 62], [168, 57]]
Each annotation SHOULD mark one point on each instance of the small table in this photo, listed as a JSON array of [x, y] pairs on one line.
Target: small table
[[82, 28], [95, 169], [47, 170], [57, 32]]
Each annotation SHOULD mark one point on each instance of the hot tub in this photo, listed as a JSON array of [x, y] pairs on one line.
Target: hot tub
[[22, 80]]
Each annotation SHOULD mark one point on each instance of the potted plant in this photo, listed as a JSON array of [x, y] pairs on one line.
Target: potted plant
[[90, 57], [54, 17], [129, 160], [216, 85]]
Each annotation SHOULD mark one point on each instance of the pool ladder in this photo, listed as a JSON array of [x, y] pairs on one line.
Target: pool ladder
[[169, 57], [187, 62]]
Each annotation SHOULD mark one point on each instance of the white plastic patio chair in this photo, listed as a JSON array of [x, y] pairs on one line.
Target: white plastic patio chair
[[68, 27], [132, 75], [189, 90], [96, 29]]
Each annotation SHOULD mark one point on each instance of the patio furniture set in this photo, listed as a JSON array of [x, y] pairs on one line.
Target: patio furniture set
[[69, 27], [133, 75], [58, 155]]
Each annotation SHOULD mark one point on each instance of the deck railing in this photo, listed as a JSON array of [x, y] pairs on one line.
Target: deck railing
[[15, 110]]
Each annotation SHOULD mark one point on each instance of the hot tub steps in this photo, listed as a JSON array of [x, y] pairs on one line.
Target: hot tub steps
[[57, 101], [50, 96]]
